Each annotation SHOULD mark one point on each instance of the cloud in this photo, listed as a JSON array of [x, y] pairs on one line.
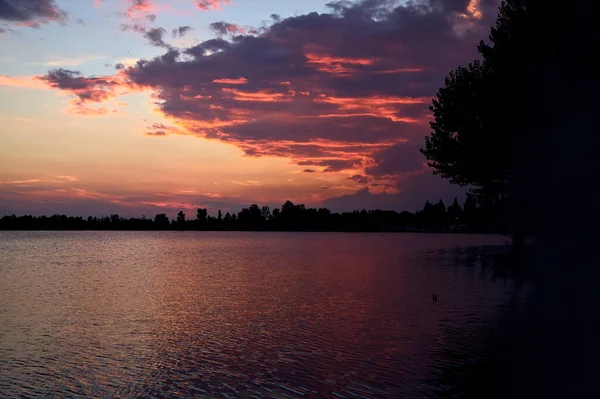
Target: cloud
[[181, 31], [397, 160], [410, 195], [360, 179], [346, 90], [47, 198], [31, 12], [88, 92], [309, 171], [364, 73], [29, 182], [207, 5], [25, 82], [86, 89], [225, 28], [140, 6], [134, 27], [20, 182], [155, 37], [57, 61], [160, 130], [68, 178]]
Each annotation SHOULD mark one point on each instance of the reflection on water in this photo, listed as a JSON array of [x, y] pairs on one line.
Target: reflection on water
[[281, 315]]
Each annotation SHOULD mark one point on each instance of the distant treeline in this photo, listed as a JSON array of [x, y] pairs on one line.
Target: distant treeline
[[471, 217]]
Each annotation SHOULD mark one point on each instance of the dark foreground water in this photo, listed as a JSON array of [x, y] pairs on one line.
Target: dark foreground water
[[247, 315]]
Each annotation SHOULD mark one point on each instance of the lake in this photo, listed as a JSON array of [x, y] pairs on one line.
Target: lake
[[247, 315]]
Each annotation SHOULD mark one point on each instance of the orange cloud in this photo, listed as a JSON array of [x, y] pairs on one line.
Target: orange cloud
[[326, 90], [341, 66], [21, 182], [474, 9], [236, 81], [260, 96], [27, 182], [26, 82]]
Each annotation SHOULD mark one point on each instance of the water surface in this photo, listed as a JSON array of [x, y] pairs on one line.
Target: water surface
[[243, 315]]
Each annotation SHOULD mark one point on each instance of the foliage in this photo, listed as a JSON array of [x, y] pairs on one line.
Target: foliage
[[496, 121], [291, 217]]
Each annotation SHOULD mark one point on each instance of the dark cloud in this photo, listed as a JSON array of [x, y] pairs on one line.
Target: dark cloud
[[207, 5], [159, 133], [181, 31], [31, 12], [225, 28], [397, 160], [364, 73], [309, 171], [414, 191], [160, 129], [360, 179], [86, 89], [119, 66], [134, 27], [82, 202], [155, 37], [347, 90], [334, 165], [362, 199]]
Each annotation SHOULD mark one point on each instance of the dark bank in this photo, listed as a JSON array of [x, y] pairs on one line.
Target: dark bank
[[473, 217]]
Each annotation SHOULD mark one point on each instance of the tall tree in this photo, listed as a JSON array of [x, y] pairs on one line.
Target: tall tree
[[201, 218], [454, 212], [266, 212], [181, 220], [469, 214], [500, 123], [161, 222]]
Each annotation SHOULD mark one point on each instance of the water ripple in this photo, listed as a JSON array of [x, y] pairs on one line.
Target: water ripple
[[237, 315]]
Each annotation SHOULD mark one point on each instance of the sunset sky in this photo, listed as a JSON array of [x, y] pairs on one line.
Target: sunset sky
[[146, 106]]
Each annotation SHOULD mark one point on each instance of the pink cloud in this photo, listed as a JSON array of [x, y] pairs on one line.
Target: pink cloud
[[26, 82], [332, 91], [207, 5]]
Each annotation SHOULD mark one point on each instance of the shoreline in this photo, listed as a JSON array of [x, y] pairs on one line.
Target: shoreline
[[269, 231]]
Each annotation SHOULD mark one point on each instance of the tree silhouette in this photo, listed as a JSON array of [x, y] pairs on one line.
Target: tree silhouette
[[201, 218], [433, 218], [181, 221], [440, 213], [161, 222], [469, 214], [266, 212], [499, 123], [454, 213]]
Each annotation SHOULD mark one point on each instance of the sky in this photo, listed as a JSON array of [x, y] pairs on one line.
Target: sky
[[139, 107]]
